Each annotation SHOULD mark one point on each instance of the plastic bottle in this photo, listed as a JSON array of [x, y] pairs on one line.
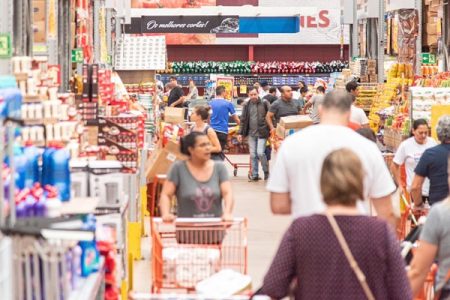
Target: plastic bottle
[[60, 172], [31, 154], [53, 205], [46, 165], [30, 203], [90, 254], [76, 266]]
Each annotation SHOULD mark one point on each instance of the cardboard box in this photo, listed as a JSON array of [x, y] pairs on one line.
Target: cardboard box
[[39, 11], [162, 159], [282, 132], [432, 28], [174, 115], [299, 121], [431, 39], [39, 32]]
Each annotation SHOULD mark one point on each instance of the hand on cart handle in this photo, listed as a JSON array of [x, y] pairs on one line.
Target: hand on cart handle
[[169, 218], [226, 217]]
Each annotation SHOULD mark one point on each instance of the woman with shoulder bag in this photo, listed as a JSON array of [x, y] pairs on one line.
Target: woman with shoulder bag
[[434, 246], [340, 254]]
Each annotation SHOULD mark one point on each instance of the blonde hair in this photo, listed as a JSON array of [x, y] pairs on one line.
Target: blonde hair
[[342, 178]]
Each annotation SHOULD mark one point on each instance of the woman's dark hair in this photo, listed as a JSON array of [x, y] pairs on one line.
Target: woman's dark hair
[[202, 111], [419, 122], [189, 141], [303, 90], [321, 89], [368, 134]]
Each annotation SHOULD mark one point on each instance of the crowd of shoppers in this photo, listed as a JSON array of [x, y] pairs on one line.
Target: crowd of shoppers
[[328, 177]]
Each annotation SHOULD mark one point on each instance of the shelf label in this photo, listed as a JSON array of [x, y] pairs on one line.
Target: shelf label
[[77, 55], [5, 45], [428, 58]]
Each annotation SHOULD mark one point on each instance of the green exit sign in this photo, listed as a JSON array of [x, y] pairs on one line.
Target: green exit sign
[[77, 55], [428, 59], [5, 45]]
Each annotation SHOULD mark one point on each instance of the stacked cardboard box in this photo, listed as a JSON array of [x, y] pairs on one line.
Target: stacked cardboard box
[[365, 69], [432, 22]]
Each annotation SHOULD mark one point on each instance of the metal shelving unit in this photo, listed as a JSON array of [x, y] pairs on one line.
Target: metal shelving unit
[[6, 26]]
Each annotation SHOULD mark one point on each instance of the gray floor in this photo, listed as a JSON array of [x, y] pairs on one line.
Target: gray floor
[[264, 229]]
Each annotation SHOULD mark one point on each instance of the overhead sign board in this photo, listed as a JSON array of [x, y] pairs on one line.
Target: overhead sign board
[[190, 24]]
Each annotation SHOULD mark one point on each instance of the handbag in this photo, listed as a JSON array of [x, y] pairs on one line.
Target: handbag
[[348, 254]]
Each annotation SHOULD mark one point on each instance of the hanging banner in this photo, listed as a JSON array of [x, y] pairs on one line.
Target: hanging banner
[[190, 24]]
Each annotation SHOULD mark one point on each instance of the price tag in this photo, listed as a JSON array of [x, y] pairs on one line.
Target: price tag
[[5, 45]]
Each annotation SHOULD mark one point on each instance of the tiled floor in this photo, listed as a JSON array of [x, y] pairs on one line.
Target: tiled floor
[[264, 230]]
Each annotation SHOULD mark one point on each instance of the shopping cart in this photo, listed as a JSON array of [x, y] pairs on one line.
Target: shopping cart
[[190, 250]]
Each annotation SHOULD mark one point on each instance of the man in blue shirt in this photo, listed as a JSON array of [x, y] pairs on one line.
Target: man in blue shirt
[[221, 111], [434, 165]]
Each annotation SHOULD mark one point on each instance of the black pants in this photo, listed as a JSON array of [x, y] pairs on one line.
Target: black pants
[[223, 140]]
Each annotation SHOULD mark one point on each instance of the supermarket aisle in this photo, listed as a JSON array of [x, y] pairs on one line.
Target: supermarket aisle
[[264, 229]]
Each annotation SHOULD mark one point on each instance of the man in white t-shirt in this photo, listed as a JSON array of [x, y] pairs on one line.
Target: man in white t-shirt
[[357, 115], [295, 180]]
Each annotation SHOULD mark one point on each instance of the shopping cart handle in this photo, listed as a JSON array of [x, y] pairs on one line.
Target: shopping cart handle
[[200, 220]]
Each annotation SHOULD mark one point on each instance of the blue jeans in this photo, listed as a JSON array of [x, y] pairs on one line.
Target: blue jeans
[[257, 147]]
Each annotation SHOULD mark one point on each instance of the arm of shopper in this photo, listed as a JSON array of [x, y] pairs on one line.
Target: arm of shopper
[[308, 105], [396, 280], [384, 209], [228, 201], [381, 187], [420, 265], [395, 169], [178, 102], [168, 191], [280, 203], [421, 171], [278, 185], [416, 190], [282, 270], [226, 191], [236, 119], [427, 250], [212, 135], [269, 120]]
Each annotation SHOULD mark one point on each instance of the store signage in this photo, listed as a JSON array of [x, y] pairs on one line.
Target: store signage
[[428, 59], [5, 45], [77, 55], [228, 83], [190, 24]]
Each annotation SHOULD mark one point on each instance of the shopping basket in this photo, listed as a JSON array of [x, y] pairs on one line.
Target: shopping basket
[[190, 250]]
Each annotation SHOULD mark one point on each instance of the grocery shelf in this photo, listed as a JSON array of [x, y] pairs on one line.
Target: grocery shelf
[[92, 287]]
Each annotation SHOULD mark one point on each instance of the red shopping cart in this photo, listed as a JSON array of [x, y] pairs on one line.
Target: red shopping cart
[[190, 250]]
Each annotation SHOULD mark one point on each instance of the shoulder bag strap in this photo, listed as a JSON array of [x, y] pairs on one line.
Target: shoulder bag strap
[[348, 254]]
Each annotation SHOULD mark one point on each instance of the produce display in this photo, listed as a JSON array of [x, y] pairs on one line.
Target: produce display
[[367, 93], [402, 70], [437, 80], [245, 67]]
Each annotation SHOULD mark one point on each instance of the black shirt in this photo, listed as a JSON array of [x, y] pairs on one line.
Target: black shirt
[[271, 98], [175, 94]]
